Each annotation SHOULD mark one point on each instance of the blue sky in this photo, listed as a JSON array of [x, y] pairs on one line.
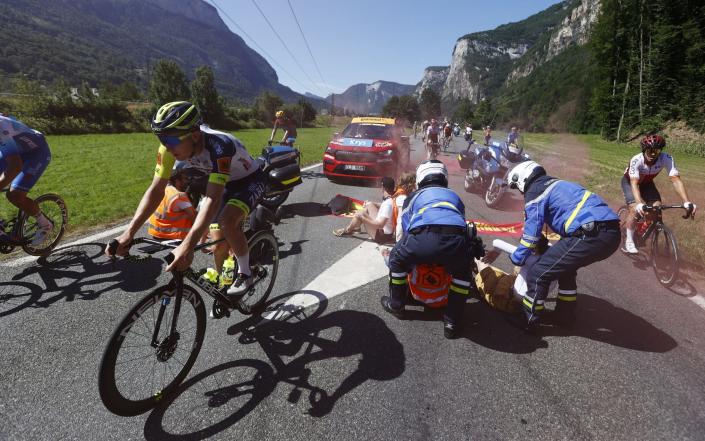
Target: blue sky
[[365, 40]]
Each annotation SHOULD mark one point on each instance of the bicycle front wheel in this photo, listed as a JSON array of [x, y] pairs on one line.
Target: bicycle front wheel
[[144, 361], [264, 261], [54, 208], [664, 255]]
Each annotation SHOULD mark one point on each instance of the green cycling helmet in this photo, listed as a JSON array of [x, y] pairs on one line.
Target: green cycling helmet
[[176, 117]]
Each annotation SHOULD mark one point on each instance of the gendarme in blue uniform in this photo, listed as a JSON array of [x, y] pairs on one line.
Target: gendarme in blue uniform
[[589, 232], [435, 232]]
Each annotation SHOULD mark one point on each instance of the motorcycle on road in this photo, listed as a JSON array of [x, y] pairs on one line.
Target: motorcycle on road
[[487, 168], [281, 165]]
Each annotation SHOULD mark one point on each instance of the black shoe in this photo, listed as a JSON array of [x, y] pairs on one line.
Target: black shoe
[[398, 313], [564, 315], [450, 330], [241, 284], [521, 322]]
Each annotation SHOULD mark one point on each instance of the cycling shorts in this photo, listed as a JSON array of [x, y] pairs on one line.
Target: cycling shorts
[[33, 165], [648, 190], [244, 193], [433, 137]]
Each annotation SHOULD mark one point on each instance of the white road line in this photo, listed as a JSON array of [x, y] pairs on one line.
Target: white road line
[[95, 237], [698, 300], [311, 167], [98, 236], [359, 267]]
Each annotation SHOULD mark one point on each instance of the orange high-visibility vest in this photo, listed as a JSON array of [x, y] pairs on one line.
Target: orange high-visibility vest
[[429, 284], [166, 223]]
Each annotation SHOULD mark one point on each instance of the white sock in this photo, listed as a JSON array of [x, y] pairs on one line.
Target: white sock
[[243, 264], [42, 221], [630, 235]]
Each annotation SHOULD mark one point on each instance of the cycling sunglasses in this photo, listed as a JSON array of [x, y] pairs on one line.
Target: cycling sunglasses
[[653, 150], [172, 140]]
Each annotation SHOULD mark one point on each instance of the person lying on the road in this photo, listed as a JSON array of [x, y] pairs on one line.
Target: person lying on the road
[[376, 217], [499, 289], [175, 215], [589, 232], [435, 232]]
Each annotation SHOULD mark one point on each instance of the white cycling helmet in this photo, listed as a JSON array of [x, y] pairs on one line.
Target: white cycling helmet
[[520, 175], [431, 170]]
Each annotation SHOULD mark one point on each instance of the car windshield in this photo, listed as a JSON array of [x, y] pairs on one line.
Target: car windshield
[[367, 131]]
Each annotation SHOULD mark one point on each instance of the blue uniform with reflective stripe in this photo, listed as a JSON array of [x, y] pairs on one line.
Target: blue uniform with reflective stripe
[[433, 206], [563, 205]]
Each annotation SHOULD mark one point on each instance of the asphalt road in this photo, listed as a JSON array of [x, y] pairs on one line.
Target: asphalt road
[[632, 368]]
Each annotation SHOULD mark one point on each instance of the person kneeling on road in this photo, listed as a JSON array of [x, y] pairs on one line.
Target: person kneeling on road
[[434, 232], [589, 232]]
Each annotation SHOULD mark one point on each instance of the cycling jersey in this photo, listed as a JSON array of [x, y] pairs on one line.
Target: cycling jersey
[[638, 169], [30, 145], [18, 139], [223, 157], [447, 130], [433, 130], [287, 125]]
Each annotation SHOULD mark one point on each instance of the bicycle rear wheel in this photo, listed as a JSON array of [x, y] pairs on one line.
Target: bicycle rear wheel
[[135, 374], [54, 208], [664, 255], [264, 260]]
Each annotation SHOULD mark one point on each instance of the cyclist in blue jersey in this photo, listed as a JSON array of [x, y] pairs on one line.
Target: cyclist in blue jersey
[[24, 155]]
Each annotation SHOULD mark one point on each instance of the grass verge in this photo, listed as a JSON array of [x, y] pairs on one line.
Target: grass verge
[[103, 177]]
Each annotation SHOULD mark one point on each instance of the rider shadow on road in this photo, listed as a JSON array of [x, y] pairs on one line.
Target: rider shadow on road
[[597, 319], [682, 286], [301, 346], [81, 271]]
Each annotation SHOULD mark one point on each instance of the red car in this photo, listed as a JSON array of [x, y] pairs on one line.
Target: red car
[[369, 148]]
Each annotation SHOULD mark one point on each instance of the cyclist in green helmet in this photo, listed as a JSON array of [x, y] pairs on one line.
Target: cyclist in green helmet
[[235, 185]]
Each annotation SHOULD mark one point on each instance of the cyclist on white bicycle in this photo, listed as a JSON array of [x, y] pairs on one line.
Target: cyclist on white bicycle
[[24, 155], [432, 133], [235, 185], [638, 183]]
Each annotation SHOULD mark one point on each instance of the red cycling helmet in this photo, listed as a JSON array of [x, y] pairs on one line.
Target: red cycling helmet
[[653, 142]]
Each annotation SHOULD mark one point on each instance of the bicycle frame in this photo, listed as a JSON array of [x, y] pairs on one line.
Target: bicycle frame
[[658, 222]]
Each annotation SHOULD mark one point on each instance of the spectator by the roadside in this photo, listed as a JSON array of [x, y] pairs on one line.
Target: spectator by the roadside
[[175, 215], [376, 217]]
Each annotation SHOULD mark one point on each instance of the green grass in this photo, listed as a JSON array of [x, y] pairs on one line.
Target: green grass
[[103, 177]]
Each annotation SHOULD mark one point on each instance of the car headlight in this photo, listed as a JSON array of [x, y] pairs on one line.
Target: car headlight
[[389, 152]]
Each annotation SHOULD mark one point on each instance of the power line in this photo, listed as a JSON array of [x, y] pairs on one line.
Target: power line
[[284, 44], [273, 60], [307, 46]]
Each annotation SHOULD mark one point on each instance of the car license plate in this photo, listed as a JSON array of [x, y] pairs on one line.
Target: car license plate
[[355, 167]]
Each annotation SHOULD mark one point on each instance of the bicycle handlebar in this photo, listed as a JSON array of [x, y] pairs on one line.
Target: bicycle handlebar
[[658, 208], [113, 246]]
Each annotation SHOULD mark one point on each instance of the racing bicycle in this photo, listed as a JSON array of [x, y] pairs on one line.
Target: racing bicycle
[[432, 148], [20, 230], [156, 344], [664, 247], [446, 143]]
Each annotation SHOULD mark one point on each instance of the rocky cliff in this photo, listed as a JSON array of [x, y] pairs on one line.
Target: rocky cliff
[[484, 63], [369, 98], [573, 30], [434, 78]]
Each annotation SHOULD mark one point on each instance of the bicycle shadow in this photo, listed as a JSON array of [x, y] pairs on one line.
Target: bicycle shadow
[[285, 330], [77, 272], [682, 286]]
